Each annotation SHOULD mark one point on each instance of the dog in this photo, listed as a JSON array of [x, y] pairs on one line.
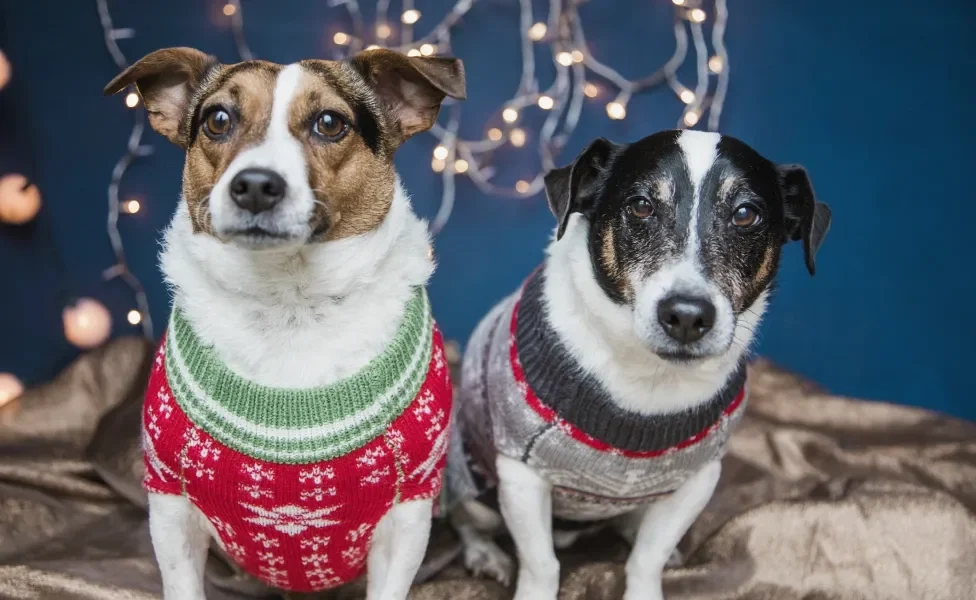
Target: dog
[[605, 388], [299, 405]]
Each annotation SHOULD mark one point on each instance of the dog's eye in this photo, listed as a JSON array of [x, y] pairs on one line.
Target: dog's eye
[[217, 123], [330, 125], [641, 207], [746, 216]]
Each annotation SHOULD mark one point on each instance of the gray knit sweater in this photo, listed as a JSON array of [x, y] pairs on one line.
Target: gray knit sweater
[[524, 396]]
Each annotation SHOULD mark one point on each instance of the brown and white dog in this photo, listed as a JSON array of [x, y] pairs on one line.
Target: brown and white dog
[[294, 249]]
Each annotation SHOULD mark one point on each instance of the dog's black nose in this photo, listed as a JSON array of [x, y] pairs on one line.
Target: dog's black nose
[[686, 319], [257, 190]]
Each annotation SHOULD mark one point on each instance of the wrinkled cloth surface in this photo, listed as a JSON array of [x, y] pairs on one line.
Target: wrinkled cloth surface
[[821, 498]]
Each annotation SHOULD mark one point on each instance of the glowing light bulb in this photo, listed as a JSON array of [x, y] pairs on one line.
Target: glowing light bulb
[[591, 90], [522, 186], [427, 49], [341, 38], [87, 323], [20, 200], [372, 47], [679, 2], [132, 99], [577, 56], [687, 96], [413, 52], [510, 115], [10, 388], [383, 31], [538, 31], [494, 134], [546, 102], [4, 70], [438, 165], [134, 317], [229, 9], [697, 15], [440, 152], [691, 118], [616, 110], [716, 64], [460, 165], [131, 206], [517, 137], [410, 16], [564, 58]]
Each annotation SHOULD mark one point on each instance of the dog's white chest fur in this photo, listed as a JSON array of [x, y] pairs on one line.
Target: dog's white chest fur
[[301, 317]]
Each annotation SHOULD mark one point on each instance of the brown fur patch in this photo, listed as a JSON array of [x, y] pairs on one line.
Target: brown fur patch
[[247, 91], [608, 258], [353, 185], [765, 272]]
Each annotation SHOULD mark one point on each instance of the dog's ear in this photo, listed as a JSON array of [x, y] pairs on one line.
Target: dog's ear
[[575, 187], [806, 219], [411, 87], [166, 80]]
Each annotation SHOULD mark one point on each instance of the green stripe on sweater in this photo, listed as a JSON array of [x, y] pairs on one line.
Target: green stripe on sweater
[[299, 425]]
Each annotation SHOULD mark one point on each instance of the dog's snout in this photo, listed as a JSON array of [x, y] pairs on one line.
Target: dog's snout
[[257, 190], [686, 319]]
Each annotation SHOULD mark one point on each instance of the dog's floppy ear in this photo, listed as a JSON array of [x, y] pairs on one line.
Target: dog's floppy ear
[[412, 87], [806, 219], [574, 188], [166, 80]]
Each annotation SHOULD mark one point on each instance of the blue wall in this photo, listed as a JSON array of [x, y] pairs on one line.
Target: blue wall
[[874, 97]]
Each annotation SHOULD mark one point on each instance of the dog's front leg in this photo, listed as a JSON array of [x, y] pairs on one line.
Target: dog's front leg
[[397, 550], [526, 503], [663, 526], [180, 540]]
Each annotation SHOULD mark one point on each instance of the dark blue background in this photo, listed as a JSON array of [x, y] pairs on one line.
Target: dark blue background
[[874, 97]]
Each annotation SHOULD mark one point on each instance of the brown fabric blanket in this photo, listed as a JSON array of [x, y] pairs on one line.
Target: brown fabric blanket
[[821, 498]]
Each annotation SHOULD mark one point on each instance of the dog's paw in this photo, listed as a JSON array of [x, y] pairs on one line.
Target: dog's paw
[[485, 558]]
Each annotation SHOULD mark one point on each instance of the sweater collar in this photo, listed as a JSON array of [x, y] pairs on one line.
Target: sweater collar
[[299, 425], [557, 386]]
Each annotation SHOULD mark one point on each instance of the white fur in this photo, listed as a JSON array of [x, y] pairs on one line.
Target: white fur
[[662, 527], [293, 316]]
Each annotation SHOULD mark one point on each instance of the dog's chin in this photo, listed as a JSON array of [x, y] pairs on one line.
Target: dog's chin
[[257, 238]]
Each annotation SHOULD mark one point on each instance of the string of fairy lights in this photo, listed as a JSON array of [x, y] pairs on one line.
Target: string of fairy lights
[[579, 77]]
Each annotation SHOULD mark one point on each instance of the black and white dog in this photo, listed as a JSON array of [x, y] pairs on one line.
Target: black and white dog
[[604, 390]]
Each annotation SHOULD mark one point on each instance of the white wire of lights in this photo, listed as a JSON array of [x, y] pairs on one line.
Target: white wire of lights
[[563, 100], [134, 149]]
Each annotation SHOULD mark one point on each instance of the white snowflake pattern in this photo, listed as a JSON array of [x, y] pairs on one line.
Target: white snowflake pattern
[[436, 424], [358, 533], [275, 576], [271, 559], [290, 519], [255, 491], [316, 475], [223, 528], [314, 543], [439, 359], [354, 555], [160, 357], [165, 408], [377, 475], [371, 457], [258, 472], [320, 578], [198, 454], [423, 407], [265, 541], [236, 550], [315, 559], [318, 494], [153, 426]]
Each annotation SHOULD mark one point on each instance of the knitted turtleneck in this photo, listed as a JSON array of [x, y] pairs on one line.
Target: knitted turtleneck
[[299, 425], [294, 481], [524, 396]]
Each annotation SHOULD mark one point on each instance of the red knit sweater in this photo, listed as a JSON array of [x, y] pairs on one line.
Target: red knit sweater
[[298, 526]]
